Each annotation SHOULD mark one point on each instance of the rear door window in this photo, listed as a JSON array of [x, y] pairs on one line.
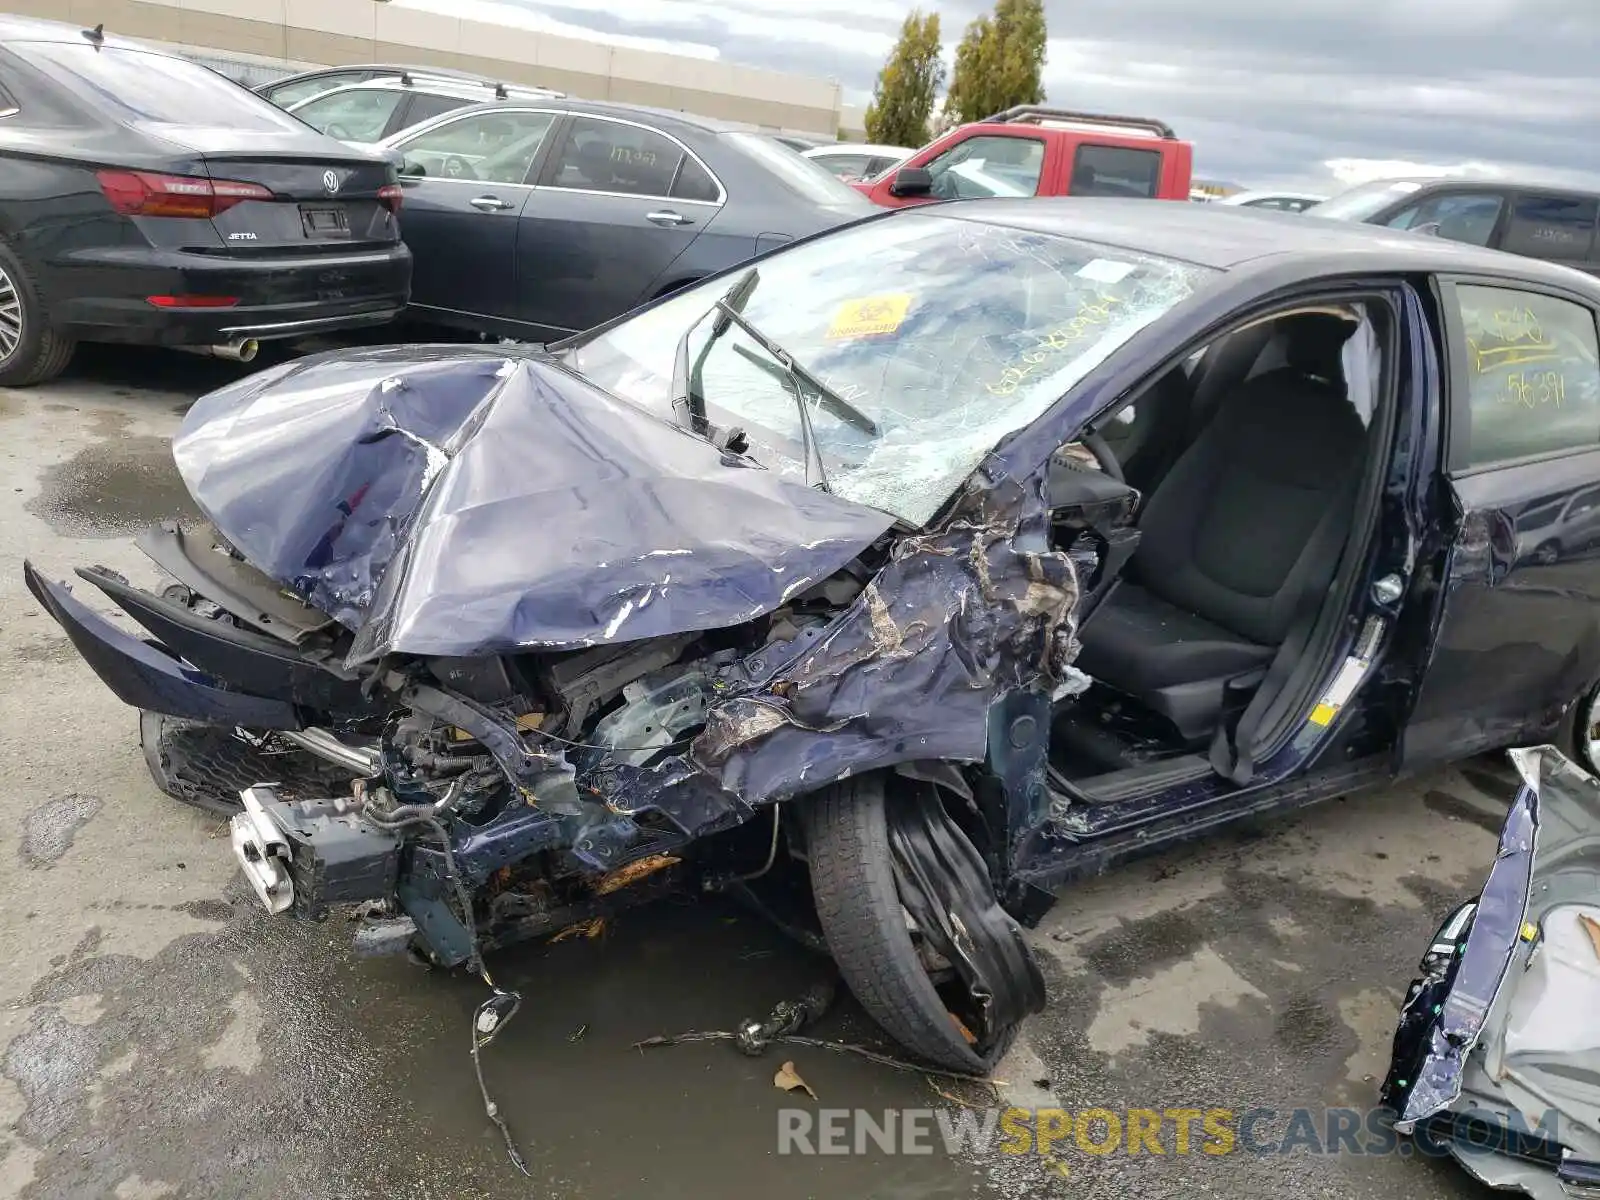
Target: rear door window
[[1555, 227], [1468, 217], [694, 182], [1115, 171], [1532, 366], [608, 156]]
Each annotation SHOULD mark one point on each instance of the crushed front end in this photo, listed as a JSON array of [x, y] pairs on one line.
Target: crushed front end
[[490, 653]]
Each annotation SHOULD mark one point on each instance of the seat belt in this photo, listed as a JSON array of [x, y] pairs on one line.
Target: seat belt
[[1232, 752]]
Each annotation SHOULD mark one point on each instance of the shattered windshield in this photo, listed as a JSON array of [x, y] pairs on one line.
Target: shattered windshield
[[947, 333]]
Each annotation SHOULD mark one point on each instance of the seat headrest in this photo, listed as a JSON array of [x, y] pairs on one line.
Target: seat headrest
[[1313, 342]]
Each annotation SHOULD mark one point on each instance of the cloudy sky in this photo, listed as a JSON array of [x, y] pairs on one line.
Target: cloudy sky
[[1272, 92]]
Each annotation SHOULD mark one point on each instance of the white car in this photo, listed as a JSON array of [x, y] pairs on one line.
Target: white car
[[852, 161], [1281, 201], [374, 109]]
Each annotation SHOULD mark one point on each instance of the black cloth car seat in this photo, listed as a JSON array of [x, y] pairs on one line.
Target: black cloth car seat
[[1240, 537]]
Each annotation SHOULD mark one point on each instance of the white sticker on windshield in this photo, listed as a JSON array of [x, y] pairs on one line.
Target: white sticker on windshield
[[1405, 185], [1105, 270]]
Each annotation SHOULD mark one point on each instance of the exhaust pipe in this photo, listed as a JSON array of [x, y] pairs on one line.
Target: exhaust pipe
[[243, 350]]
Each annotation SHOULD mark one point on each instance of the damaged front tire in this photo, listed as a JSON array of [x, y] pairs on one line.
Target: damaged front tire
[[885, 865]]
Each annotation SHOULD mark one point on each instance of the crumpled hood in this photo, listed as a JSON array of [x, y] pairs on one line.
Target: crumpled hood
[[1503, 1026], [459, 500]]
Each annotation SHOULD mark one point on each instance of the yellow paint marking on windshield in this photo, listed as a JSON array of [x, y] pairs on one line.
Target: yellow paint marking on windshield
[[1511, 337], [870, 315], [1092, 316], [1532, 389]]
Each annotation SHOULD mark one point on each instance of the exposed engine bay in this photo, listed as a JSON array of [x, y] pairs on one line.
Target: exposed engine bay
[[526, 654], [484, 740]]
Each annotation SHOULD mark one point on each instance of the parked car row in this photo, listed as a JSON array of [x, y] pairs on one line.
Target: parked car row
[[1556, 224], [540, 219], [151, 200], [147, 199]]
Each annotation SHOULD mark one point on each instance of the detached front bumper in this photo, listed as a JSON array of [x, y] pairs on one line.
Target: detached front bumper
[[146, 675]]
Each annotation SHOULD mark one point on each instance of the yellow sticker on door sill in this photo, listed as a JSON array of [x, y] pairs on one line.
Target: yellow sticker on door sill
[[1323, 714], [870, 315]]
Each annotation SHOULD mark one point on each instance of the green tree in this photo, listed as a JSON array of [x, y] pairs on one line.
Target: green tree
[[908, 85], [999, 61]]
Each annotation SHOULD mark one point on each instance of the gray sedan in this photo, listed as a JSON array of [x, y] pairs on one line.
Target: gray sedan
[[538, 219]]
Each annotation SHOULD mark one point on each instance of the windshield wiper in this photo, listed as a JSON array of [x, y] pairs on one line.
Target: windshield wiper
[[785, 362], [688, 400]]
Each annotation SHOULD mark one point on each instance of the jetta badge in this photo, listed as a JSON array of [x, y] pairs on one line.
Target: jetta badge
[[330, 181]]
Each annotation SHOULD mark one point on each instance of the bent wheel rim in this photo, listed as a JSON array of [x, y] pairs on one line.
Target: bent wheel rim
[[10, 316]]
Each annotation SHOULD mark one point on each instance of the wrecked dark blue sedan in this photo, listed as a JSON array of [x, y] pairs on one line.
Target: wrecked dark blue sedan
[[920, 566]]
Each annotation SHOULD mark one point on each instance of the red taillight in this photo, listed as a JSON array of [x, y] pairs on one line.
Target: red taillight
[[145, 194], [391, 196], [193, 301]]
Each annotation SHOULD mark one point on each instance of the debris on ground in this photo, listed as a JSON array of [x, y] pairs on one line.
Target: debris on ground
[[788, 1080], [592, 928]]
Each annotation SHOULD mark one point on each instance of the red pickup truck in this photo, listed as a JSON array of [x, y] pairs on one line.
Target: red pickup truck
[[1034, 150]]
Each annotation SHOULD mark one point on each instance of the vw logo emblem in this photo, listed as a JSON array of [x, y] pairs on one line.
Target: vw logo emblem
[[330, 181]]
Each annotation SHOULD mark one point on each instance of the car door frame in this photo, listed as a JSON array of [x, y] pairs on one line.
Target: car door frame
[[1432, 734], [525, 188], [1321, 756]]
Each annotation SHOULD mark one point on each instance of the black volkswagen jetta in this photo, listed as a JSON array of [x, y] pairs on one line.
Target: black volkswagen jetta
[[145, 198]]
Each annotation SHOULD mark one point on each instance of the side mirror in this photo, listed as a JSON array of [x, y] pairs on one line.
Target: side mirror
[[911, 181], [1429, 229]]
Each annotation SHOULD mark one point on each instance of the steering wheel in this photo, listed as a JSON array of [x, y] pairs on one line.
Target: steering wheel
[[456, 167], [1096, 445], [339, 132]]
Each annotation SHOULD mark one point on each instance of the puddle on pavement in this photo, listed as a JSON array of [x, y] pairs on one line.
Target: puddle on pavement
[[112, 489], [363, 1083], [595, 1117]]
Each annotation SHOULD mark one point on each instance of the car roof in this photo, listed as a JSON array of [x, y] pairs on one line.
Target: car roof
[[1269, 194], [381, 68], [432, 85], [1228, 237], [668, 119], [855, 148], [1422, 183]]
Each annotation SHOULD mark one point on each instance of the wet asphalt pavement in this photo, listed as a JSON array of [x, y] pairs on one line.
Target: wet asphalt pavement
[[160, 1036]]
